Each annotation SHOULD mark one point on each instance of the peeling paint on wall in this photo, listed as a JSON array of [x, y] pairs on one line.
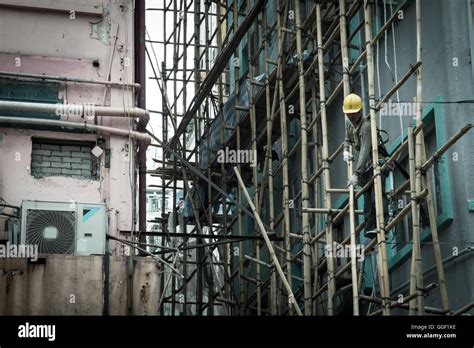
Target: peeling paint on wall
[[101, 30]]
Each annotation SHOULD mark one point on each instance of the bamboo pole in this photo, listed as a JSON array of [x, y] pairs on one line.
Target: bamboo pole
[[325, 155], [436, 243], [316, 166], [184, 99], [416, 254], [253, 136], [242, 288], [329, 211], [353, 241], [304, 166], [383, 273], [220, 102], [416, 279], [291, 297], [208, 276], [164, 225], [269, 162], [464, 309], [198, 253], [175, 112], [284, 152]]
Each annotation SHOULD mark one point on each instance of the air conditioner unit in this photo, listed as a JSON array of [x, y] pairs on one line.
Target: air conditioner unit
[[64, 228]]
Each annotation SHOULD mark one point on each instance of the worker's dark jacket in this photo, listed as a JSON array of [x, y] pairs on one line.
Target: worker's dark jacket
[[359, 137]]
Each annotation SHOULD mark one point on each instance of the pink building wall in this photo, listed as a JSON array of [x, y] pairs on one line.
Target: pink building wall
[[45, 38]]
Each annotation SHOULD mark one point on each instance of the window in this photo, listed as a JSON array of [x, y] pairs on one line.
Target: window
[[435, 137], [154, 205], [50, 157], [435, 171]]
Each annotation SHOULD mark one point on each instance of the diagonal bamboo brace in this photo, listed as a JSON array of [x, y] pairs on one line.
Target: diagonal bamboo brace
[[269, 244]]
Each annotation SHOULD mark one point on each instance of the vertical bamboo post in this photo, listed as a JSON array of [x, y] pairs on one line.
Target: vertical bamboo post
[[175, 111], [242, 292], [164, 121], [304, 166], [197, 123], [268, 159], [383, 273], [220, 100], [416, 279], [284, 154], [325, 160], [415, 211], [208, 275], [435, 238], [184, 99], [316, 166], [346, 87], [199, 253], [253, 135]]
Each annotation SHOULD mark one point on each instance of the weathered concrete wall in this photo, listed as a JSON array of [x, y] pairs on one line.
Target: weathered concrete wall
[[70, 285], [71, 39]]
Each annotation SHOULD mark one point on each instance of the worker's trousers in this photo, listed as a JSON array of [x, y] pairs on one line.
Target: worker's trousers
[[369, 201]]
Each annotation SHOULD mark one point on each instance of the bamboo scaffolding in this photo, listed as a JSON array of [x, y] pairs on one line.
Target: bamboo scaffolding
[[271, 113], [184, 173], [284, 255], [291, 297]]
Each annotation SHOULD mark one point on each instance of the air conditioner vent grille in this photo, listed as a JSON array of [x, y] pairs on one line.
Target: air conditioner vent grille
[[54, 231]]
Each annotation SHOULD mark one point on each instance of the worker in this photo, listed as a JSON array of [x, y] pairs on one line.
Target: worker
[[358, 134]]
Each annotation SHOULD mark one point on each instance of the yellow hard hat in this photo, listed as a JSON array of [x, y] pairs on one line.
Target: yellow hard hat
[[352, 104]]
